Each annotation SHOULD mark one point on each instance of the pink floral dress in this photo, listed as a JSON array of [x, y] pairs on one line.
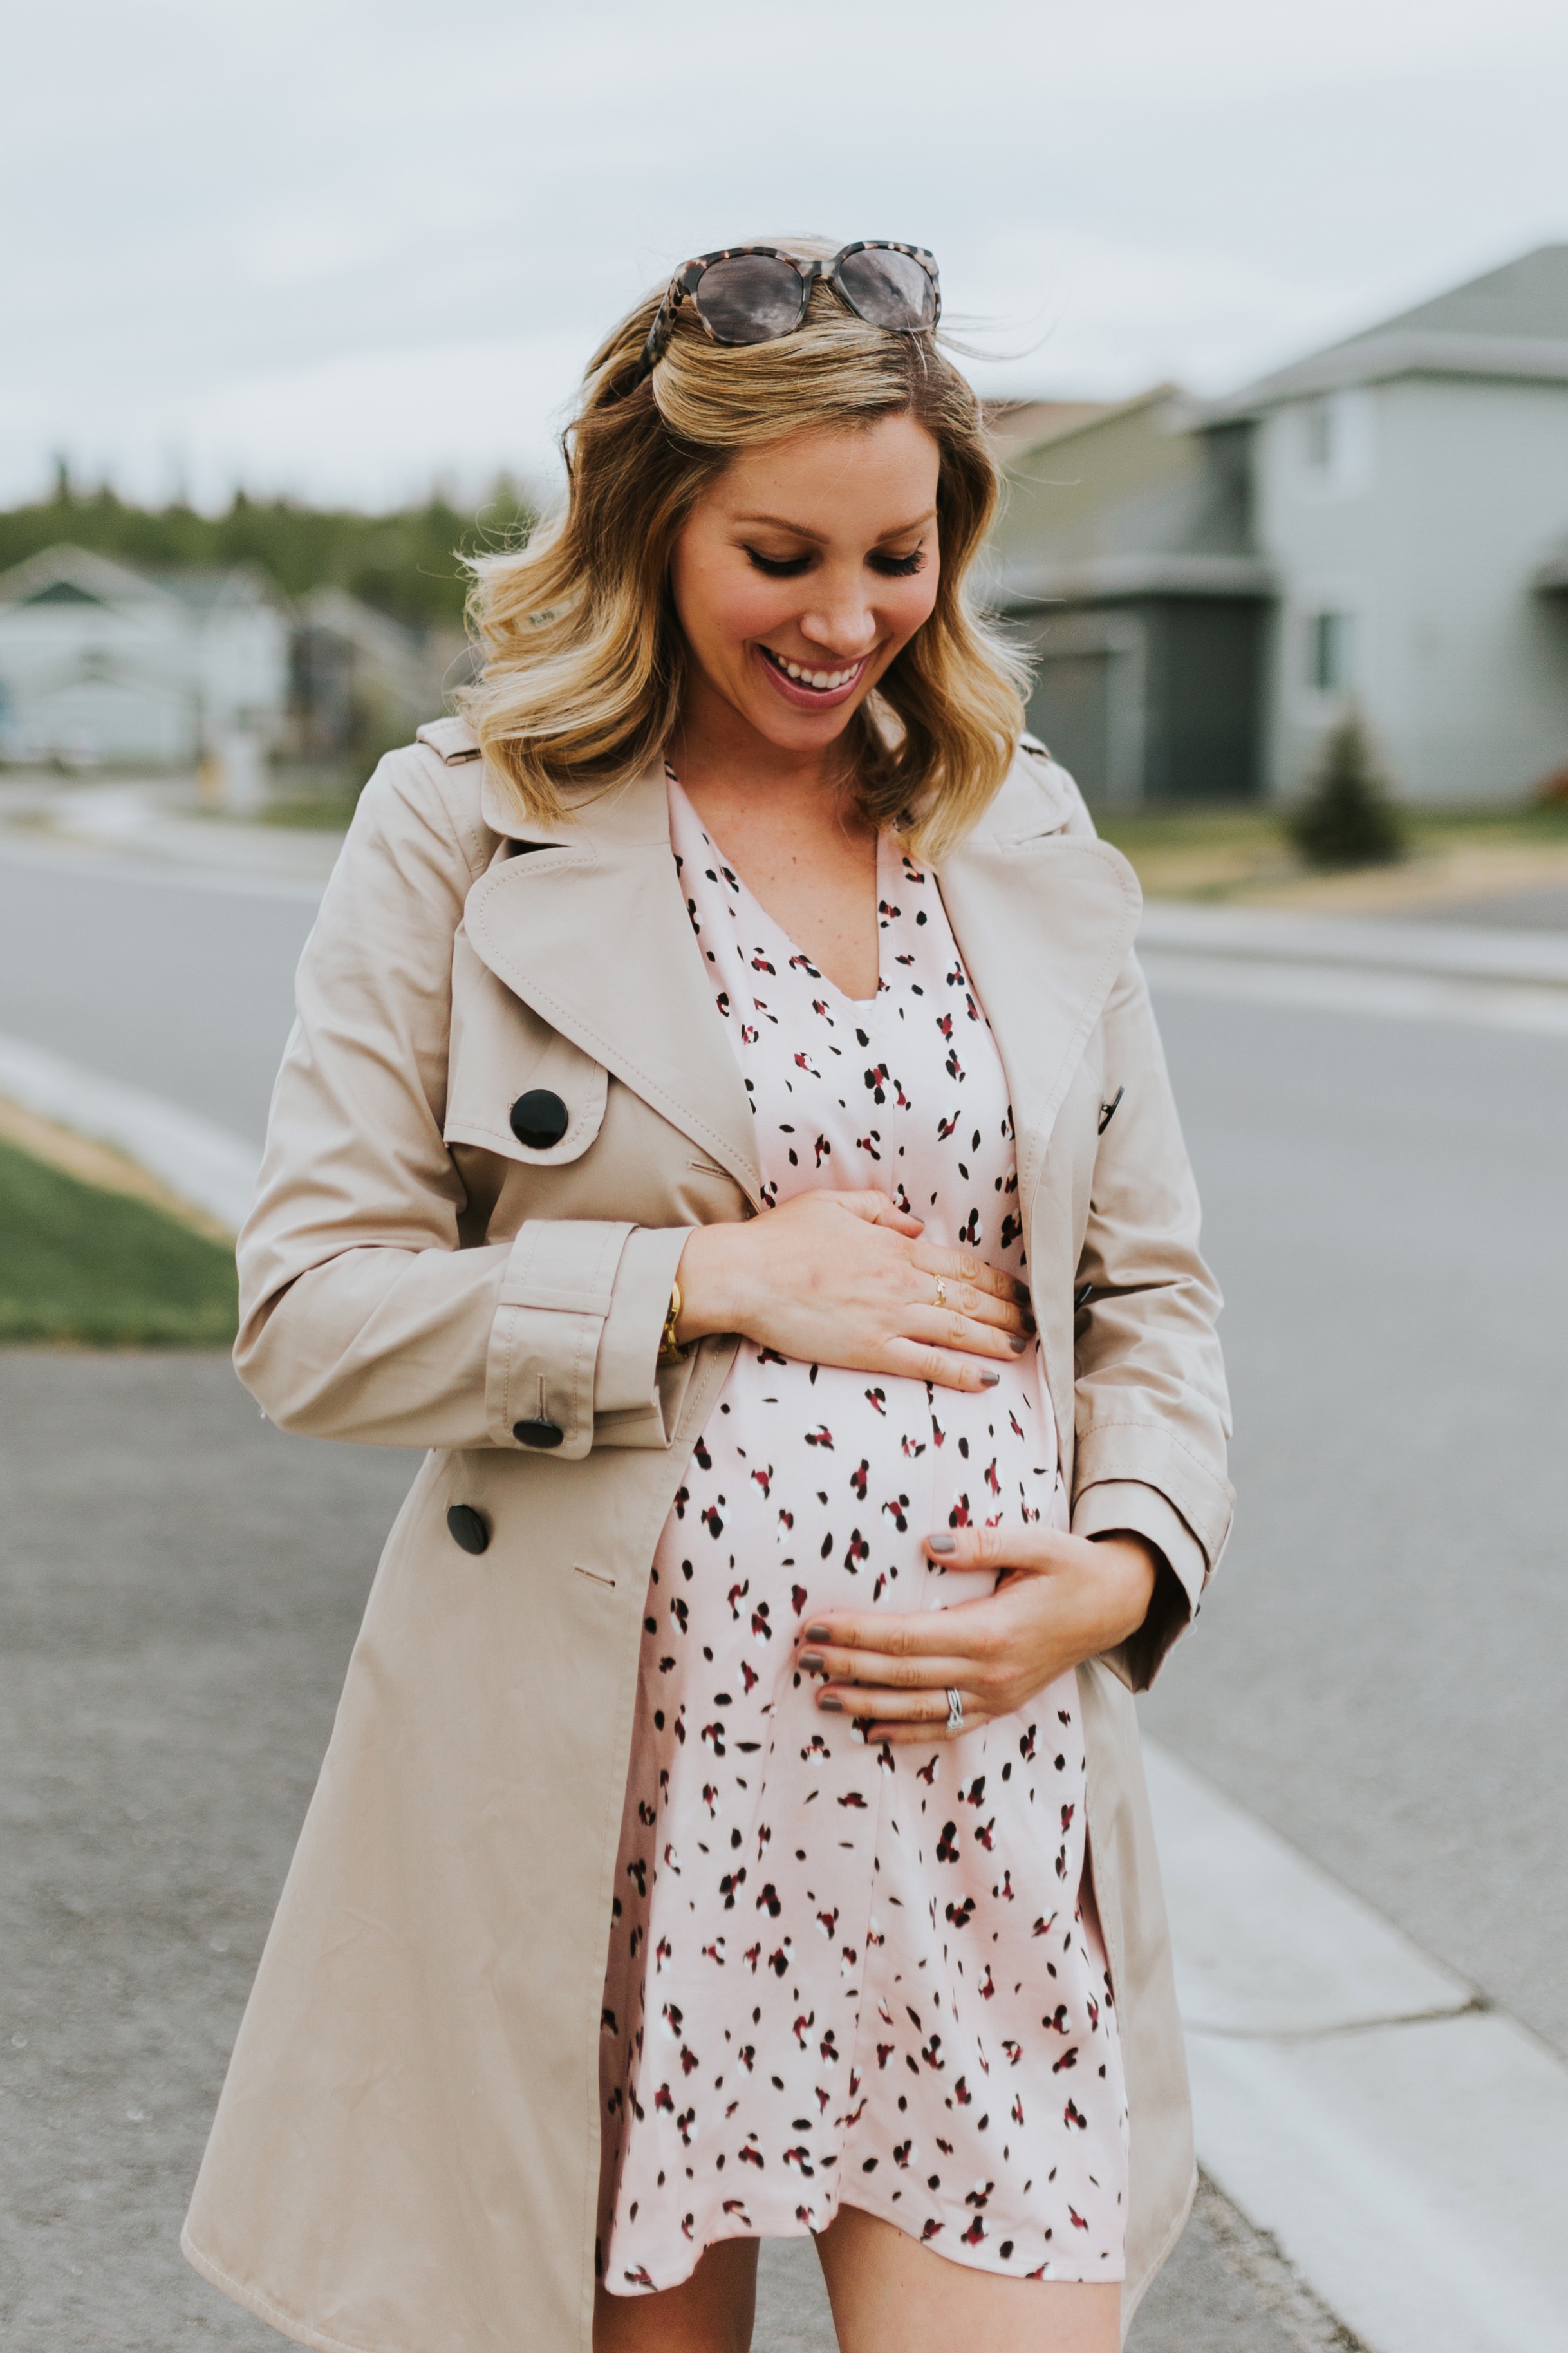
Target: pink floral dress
[[840, 1971]]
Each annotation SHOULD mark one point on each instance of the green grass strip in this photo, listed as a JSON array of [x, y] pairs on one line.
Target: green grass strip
[[80, 1267]]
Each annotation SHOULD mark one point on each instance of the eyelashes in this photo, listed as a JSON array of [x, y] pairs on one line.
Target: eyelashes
[[790, 568], [778, 567]]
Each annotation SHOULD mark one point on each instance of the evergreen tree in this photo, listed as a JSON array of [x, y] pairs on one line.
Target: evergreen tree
[[406, 563], [1346, 818]]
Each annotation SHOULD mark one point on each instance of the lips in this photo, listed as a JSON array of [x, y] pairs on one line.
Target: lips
[[799, 685]]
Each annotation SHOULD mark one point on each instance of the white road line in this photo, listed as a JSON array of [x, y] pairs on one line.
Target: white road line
[[205, 1164], [1342, 988], [1473, 951], [1407, 2146], [302, 890]]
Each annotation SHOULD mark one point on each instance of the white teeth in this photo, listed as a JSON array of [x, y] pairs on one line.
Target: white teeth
[[823, 679]]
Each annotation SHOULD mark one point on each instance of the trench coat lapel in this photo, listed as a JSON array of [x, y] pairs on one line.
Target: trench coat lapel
[[592, 931], [1043, 921]]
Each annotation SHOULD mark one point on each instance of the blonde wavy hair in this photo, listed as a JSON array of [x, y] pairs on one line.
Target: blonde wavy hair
[[584, 661]]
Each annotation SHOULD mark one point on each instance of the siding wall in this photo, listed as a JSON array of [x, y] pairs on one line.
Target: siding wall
[[1453, 492]]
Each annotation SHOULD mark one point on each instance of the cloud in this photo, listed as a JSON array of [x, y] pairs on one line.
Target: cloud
[[343, 245]]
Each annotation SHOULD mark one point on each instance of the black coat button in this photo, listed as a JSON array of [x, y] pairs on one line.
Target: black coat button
[[537, 1433], [467, 1527], [539, 1119]]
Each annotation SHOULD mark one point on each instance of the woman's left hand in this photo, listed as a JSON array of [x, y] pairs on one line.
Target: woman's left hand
[[1062, 1599]]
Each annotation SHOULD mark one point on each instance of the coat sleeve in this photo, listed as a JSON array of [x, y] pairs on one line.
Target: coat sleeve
[[1152, 1418], [362, 1317], [1153, 1415]]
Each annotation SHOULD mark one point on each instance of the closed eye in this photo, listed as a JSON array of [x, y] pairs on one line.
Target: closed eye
[[897, 567], [778, 567]]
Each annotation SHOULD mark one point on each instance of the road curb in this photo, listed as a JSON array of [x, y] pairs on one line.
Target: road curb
[[1404, 2143], [208, 1165]]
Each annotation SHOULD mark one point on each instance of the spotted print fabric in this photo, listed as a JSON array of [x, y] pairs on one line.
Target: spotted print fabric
[[837, 1971]]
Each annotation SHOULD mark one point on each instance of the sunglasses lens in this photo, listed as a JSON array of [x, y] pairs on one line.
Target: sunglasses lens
[[750, 299], [888, 290]]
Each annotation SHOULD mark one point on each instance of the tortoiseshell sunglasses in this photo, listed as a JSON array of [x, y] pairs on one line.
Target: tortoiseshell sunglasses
[[754, 293]]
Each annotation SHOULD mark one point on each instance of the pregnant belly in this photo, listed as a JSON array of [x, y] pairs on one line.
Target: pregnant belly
[[816, 1486]]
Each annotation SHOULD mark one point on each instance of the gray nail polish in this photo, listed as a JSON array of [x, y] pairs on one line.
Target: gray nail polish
[[989, 1380], [941, 1543], [817, 1634], [829, 1705], [811, 1663], [1017, 1342]]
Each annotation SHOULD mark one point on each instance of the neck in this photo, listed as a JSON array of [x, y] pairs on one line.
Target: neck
[[727, 768]]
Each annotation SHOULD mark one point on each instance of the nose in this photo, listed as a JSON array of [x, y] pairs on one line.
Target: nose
[[842, 619]]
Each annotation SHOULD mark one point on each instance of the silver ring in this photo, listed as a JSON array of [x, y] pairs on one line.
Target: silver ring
[[954, 1710]]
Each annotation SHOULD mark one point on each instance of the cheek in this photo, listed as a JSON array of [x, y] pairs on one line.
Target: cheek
[[722, 605], [911, 604]]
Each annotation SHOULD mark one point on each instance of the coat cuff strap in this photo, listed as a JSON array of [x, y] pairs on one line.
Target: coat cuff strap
[[556, 1296], [627, 1375]]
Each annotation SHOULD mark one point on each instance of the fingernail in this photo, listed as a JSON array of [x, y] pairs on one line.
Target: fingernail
[[1017, 1342], [812, 1662], [817, 1634], [829, 1705], [941, 1543], [1029, 1323], [989, 1380]]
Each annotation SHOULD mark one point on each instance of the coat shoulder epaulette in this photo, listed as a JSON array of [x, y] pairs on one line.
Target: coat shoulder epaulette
[[453, 741]]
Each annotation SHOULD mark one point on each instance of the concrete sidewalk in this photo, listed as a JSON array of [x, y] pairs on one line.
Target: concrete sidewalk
[[179, 1588]]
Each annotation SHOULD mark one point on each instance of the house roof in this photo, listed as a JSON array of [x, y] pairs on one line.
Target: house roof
[[1015, 426], [63, 574], [203, 591], [1508, 322], [1124, 502]]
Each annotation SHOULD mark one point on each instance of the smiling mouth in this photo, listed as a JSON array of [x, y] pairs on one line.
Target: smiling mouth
[[817, 681]]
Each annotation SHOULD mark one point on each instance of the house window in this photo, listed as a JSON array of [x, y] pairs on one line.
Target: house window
[[1330, 652], [1318, 422]]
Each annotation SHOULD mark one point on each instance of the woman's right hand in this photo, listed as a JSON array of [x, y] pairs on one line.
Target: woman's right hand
[[845, 1279]]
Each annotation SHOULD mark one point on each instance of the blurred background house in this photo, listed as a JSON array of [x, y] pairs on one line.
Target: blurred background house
[[362, 682], [104, 666], [270, 643], [1124, 560], [1206, 590]]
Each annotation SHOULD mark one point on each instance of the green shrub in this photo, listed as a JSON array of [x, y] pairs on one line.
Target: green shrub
[[1346, 818], [82, 1267]]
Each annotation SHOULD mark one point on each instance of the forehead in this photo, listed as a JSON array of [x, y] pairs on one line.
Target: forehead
[[891, 459]]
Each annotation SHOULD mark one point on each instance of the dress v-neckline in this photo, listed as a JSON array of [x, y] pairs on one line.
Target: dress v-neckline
[[860, 1007]]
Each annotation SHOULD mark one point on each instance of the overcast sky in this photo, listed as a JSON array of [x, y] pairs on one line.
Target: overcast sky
[[341, 249]]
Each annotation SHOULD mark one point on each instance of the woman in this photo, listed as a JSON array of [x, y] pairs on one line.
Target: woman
[[726, 1126]]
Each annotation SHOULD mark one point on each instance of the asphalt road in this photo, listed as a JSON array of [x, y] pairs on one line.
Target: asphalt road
[[1374, 1674], [1377, 1671], [185, 991], [180, 1586]]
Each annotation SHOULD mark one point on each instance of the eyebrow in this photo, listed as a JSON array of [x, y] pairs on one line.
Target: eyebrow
[[799, 531]]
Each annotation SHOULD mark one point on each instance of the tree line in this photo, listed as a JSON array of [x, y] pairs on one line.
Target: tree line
[[405, 562]]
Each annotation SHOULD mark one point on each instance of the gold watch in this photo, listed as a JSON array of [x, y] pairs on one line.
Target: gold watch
[[670, 1351]]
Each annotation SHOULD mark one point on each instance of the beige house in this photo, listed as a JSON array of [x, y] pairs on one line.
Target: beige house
[[1206, 591]]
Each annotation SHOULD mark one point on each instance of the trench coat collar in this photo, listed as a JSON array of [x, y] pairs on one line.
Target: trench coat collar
[[591, 930], [1045, 919]]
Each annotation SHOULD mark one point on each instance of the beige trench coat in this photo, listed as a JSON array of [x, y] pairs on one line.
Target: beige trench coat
[[405, 2154]]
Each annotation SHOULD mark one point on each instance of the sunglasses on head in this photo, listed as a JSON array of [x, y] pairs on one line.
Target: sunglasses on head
[[754, 293]]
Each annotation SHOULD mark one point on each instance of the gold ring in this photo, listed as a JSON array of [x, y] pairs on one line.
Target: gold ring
[[940, 1299]]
